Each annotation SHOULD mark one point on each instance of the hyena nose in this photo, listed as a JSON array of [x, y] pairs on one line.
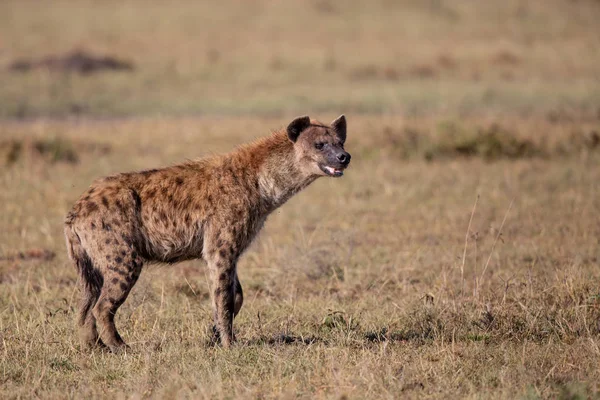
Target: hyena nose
[[344, 158]]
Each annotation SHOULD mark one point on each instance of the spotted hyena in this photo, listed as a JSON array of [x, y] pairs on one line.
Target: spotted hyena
[[210, 208]]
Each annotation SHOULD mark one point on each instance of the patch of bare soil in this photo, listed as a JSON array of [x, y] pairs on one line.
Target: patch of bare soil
[[77, 61]]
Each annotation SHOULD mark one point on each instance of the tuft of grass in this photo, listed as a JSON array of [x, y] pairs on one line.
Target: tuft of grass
[[491, 143], [56, 150], [62, 364], [13, 149], [448, 140]]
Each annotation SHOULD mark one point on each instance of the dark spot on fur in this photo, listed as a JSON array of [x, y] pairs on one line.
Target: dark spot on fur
[[123, 253], [107, 258], [115, 281], [236, 181], [164, 190], [188, 219], [134, 255], [151, 193], [223, 253], [86, 198], [124, 286], [107, 241], [179, 181], [106, 227], [105, 201], [127, 240], [163, 216], [91, 207], [220, 243], [93, 225], [118, 260]]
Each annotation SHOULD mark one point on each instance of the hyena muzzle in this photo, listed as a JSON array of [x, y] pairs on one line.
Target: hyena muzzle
[[210, 208]]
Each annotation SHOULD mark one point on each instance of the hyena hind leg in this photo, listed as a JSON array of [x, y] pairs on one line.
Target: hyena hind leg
[[91, 284], [88, 332], [123, 267]]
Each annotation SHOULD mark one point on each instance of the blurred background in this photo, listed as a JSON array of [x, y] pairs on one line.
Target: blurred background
[[413, 57]]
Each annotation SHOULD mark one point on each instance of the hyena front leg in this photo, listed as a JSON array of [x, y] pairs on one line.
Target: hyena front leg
[[222, 271], [237, 305], [239, 296]]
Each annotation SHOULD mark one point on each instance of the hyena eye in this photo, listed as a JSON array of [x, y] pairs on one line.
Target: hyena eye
[[319, 146]]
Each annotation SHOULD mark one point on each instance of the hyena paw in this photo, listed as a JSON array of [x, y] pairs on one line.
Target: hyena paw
[[215, 338]]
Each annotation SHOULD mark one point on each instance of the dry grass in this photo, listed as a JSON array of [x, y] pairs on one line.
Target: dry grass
[[354, 288], [458, 258]]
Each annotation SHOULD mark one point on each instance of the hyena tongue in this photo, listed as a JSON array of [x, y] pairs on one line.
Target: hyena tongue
[[333, 171]]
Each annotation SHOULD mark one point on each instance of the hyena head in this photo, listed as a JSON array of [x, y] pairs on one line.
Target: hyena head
[[319, 149]]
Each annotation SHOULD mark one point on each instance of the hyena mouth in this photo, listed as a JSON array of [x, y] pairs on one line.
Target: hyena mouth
[[335, 172]]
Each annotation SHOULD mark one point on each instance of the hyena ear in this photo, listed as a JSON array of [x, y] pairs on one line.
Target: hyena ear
[[339, 126], [295, 128]]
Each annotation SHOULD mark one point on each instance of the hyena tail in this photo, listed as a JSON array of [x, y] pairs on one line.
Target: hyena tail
[[91, 278]]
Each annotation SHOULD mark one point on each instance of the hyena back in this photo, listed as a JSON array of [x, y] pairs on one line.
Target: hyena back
[[210, 208]]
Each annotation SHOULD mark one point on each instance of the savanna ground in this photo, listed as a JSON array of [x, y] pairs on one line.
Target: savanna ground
[[457, 258]]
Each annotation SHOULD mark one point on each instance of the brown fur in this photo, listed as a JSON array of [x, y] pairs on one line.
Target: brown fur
[[210, 208]]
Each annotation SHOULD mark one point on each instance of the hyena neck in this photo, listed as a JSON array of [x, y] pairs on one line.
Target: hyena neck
[[279, 176]]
